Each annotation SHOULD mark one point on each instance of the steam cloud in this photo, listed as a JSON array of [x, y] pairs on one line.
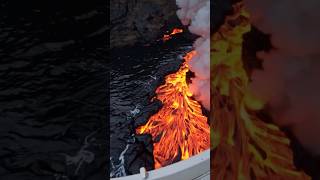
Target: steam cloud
[[290, 79], [196, 14]]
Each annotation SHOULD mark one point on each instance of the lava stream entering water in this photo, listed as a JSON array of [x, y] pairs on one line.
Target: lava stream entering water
[[244, 146], [175, 31], [180, 127]]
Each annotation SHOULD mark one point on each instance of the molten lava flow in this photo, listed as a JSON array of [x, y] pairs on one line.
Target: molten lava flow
[[179, 129], [166, 37], [244, 146]]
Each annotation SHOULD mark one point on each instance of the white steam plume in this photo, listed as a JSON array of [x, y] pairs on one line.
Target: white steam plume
[[196, 14], [290, 79]]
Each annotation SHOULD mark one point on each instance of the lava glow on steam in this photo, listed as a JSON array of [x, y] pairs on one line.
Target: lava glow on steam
[[244, 146], [179, 129]]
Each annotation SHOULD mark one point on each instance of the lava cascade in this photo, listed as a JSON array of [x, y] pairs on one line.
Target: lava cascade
[[179, 129], [244, 145]]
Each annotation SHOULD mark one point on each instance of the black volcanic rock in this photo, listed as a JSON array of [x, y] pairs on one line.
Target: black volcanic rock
[[147, 113], [140, 154], [140, 21]]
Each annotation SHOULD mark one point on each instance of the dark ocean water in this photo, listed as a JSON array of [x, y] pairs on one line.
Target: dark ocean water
[[135, 75], [53, 71]]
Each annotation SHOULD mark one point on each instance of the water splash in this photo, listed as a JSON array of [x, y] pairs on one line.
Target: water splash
[[118, 170]]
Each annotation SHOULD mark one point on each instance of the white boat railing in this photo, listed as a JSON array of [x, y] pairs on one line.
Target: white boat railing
[[195, 168]]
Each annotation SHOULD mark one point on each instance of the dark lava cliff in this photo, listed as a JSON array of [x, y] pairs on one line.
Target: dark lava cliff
[[140, 21]]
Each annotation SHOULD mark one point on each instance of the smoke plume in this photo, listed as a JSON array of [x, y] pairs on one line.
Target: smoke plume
[[196, 14], [289, 82]]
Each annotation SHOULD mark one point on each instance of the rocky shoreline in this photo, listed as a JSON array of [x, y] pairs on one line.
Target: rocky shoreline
[[140, 21]]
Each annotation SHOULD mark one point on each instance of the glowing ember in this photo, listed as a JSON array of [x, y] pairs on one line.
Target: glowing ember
[[179, 126], [166, 37], [244, 146]]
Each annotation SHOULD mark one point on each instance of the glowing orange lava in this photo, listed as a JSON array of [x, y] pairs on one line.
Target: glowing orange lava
[[244, 146], [166, 37], [179, 129]]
